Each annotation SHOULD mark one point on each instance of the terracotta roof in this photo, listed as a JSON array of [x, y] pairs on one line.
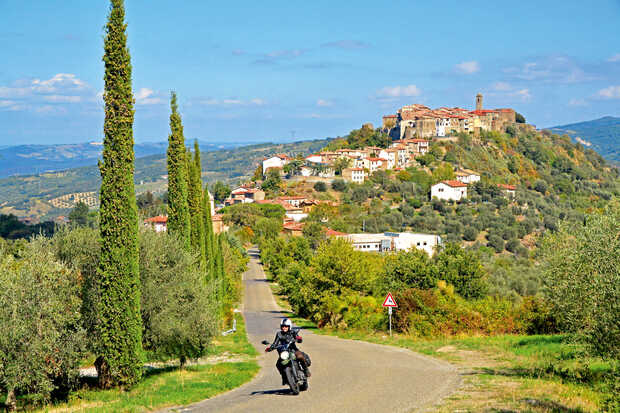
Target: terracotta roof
[[332, 233], [160, 219], [284, 198], [455, 184], [507, 187], [376, 159], [293, 226], [390, 116]]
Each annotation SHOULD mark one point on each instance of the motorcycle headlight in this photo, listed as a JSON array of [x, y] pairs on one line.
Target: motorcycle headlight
[[284, 355]]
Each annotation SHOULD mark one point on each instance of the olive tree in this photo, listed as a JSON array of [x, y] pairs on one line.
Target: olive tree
[[42, 338], [582, 279]]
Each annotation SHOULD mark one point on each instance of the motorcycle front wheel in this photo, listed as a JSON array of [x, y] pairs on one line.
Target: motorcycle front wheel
[[291, 381]]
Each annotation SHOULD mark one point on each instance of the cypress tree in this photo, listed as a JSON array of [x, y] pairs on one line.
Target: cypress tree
[[118, 329], [178, 210], [208, 233], [194, 199]]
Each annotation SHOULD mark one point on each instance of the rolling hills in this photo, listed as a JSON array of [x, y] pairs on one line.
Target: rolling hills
[[30, 196], [35, 159], [602, 135]]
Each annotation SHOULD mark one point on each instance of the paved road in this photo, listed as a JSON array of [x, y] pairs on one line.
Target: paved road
[[347, 376]]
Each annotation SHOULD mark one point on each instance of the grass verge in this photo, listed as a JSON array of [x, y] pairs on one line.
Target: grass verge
[[230, 363], [508, 373]]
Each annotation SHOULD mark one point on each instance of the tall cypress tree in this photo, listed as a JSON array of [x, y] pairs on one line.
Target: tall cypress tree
[[119, 326], [208, 232], [194, 198], [178, 210]]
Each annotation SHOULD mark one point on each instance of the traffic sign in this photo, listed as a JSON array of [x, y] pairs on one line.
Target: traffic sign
[[389, 301]]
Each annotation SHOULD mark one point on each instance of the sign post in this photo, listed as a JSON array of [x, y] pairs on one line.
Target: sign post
[[390, 303]]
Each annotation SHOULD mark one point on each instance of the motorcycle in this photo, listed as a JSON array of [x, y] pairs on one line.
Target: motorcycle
[[294, 372]]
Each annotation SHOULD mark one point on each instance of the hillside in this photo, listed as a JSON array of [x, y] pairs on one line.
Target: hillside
[[35, 159], [31, 195], [603, 134]]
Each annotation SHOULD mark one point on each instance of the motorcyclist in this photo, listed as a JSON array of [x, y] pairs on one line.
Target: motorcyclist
[[288, 335]]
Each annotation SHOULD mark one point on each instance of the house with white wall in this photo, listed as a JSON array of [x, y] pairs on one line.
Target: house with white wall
[[356, 175], [449, 191], [276, 161]]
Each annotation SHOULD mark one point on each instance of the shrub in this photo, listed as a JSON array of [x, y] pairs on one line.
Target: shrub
[[496, 242], [540, 186], [462, 269], [442, 312], [582, 275], [513, 245], [470, 234], [42, 340], [179, 306], [339, 185], [320, 187]]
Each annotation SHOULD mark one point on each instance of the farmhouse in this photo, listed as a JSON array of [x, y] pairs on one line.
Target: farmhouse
[[449, 191]]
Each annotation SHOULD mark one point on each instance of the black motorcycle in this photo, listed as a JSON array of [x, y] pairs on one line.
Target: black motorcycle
[[294, 372]]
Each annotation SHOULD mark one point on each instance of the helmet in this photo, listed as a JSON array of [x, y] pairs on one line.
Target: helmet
[[286, 322]]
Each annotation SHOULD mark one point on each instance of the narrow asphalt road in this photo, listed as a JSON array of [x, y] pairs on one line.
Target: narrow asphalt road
[[347, 376]]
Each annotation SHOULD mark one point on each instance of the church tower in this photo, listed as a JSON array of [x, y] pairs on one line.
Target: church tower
[[479, 101]]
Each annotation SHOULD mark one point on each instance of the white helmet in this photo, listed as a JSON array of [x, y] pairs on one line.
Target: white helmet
[[286, 322]]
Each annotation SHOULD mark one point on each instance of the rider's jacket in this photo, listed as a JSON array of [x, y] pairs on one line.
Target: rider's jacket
[[283, 338]]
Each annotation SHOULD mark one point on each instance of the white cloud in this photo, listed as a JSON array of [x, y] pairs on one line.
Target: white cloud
[[146, 96], [502, 86], [611, 92], [523, 94], [614, 58], [399, 91], [258, 102], [62, 99], [577, 102], [323, 103], [468, 67], [38, 94], [7, 103], [550, 69], [60, 81]]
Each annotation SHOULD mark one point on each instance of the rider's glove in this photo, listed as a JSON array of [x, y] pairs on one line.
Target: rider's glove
[[299, 339], [268, 349]]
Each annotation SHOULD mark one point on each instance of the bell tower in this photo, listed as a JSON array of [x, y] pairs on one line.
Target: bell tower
[[479, 101]]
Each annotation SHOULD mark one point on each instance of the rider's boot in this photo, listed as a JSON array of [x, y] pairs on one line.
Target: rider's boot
[[307, 371]]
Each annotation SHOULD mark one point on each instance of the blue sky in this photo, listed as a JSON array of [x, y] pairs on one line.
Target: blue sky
[[273, 71]]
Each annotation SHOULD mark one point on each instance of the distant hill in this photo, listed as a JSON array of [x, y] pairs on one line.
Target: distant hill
[[30, 195], [602, 135], [35, 159]]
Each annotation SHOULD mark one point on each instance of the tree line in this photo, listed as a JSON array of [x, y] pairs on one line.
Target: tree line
[[109, 289]]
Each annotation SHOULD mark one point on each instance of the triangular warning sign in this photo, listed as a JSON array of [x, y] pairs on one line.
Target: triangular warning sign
[[389, 301]]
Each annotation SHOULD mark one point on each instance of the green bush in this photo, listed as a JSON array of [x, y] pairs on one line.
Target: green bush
[[339, 185], [470, 234], [179, 305], [42, 340], [320, 187], [582, 275], [496, 242]]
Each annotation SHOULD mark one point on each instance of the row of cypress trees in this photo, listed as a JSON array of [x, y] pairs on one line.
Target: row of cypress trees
[[118, 328]]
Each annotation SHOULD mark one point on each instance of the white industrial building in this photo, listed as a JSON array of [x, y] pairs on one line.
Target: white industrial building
[[393, 241]]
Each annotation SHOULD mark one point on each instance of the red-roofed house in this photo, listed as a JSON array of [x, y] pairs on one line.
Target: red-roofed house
[[158, 223], [276, 161], [509, 190], [449, 190]]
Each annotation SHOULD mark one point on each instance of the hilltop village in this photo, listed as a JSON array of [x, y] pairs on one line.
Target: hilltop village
[[405, 140]]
